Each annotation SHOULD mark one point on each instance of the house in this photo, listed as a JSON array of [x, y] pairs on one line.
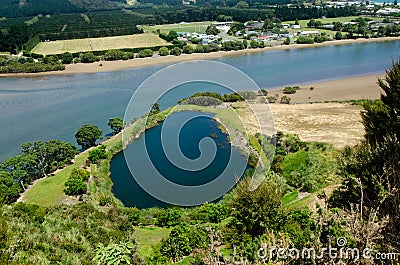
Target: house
[[254, 25], [286, 26], [295, 26], [307, 33]]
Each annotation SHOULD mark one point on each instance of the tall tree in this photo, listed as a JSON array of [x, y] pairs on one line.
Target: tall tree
[[87, 135], [116, 124]]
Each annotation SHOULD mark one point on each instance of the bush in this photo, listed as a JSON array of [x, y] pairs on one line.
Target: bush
[[66, 58], [134, 215], [169, 217], [114, 55], [289, 90], [75, 186], [163, 51], [285, 100], [176, 51], [187, 49], [96, 154], [145, 53], [304, 40], [88, 57]]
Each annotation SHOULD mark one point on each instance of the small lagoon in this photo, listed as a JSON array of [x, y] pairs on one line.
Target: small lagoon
[[199, 126]]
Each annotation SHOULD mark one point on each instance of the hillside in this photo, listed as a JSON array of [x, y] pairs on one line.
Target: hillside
[[23, 8]]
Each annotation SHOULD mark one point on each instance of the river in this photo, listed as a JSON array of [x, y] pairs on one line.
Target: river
[[55, 107]]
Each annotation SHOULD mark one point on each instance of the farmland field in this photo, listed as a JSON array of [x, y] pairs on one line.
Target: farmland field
[[199, 27], [99, 44]]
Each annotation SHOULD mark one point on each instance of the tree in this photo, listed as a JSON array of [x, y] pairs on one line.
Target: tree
[[371, 170], [155, 108], [87, 135], [212, 30], [88, 57], [187, 49], [66, 58], [116, 124], [338, 35], [172, 34], [163, 51]]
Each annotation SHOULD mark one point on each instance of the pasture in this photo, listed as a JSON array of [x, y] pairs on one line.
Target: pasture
[[99, 44]]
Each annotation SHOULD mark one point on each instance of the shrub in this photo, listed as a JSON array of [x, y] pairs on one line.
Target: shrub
[[145, 53], [187, 49], [163, 51], [176, 51], [134, 215], [169, 217], [113, 55], [289, 90], [285, 100], [304, 40], [88, 57], [96, 154], [75, 186]]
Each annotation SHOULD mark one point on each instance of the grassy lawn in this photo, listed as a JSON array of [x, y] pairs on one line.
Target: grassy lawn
[[50, 191], [99, 44], [149, 237], [199, 27], [303, 24]]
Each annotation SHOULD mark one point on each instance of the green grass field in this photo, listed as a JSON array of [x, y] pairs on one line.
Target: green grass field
[[303, 24], [199, 27], [99, 44]]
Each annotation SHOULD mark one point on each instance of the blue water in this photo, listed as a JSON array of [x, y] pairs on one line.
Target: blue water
[[199, 127], [55, 107]]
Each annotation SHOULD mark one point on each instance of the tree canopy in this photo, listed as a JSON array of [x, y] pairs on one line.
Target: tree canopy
[[87, 135]]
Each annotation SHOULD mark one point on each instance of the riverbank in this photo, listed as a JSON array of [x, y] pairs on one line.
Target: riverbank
[[110, 66], [352, 88]]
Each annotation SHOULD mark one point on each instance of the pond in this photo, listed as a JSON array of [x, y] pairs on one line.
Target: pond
[[193, 128]]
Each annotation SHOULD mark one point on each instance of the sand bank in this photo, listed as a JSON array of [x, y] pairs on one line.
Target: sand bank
[[352, 88]]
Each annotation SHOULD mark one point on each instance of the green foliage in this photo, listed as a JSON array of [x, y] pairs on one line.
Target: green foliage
[[182, 240], [75, 186], [116, 124], [65, 234], [176, 51], [232, 45], [114, 254], [163, 51], [9, 189], [134, 215], [289, 90], [254, 44], [88, 57], [286, 41], [145, 53], [212, 30], [87, 135], [169, 217], [98, 153], [285, 100], [155, 109], [254, 212], [30, 212], [187, 49], [66, 58], [304, 40], [212, 212], [114, 55], [338, 35]]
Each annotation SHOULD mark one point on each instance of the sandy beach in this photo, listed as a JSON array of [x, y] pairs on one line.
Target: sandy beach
[[109, 66], [352, 88]]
